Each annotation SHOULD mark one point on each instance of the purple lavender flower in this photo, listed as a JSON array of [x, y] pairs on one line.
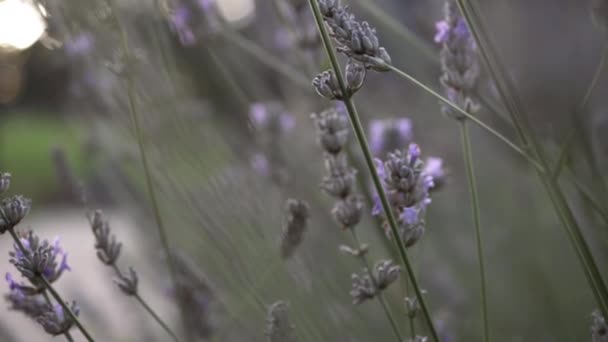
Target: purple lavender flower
[[205, 5], [407, 189], [409, 215], [260, 164], [414, 153], [389, 134], [259, 114], [179, 22], [376, 135], [459, 65], [283, 39], [40, 258], [80, 45], [434, 168], [443, 30], [55, 322], [287, 122]]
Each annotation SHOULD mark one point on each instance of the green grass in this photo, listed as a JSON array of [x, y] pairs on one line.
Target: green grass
[[26, 142]]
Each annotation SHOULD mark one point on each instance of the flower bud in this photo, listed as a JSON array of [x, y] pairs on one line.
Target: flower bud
[[355, 75]]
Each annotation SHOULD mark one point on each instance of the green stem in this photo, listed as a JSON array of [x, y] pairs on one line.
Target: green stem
[[581, 107], [399, 29], [53, 292], [266, 58], [468, 158], [515, 108], [149, 309], [360, 134], [288, 23], [156, 317], [133, 111], [469, 116], [380, 295]]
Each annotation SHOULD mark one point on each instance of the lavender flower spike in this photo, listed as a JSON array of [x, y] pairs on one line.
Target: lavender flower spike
[[459, 64]]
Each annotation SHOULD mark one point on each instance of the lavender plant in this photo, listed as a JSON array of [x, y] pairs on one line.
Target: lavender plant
[[460, 71], [108, 251], [37, 261], [359, 42], [219, 210], [332, 136]]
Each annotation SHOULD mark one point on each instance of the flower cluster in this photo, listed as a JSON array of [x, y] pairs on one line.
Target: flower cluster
[[279, 327], [38, 259], [297, 213], [357, 40], [389, 134], [12, 209], [186, 20], [407, 187], [367, 286], [459, 64], [270, 121], [40, 262], [108, 251], [302, 34], [332, 136], [326, 84]]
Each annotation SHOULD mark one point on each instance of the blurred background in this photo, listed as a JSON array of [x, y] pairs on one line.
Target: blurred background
[[201, 74]]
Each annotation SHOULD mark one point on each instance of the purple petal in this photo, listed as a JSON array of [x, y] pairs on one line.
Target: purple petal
[[409, 215], [288, 122], [404, 127], [260, 164], [376, 135], [414, 152], [377, 207], [259, 114], [442, 28]]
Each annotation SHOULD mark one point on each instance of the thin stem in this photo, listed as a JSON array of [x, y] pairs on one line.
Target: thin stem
[[589, 197], [380, 295], [581, 107], [52, 290], [471, 117], [468, 158], [515, 108], [360, 134], [288, 23], [398, 28], [563, 155], [156, 317], [133, 111], [229, 79], [266, 58]]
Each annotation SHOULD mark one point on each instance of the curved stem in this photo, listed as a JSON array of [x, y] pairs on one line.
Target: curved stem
[[468, 159], [380, 295], [471, 117], [360, 134], [516, 110], [54, 292], [156, 317]]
